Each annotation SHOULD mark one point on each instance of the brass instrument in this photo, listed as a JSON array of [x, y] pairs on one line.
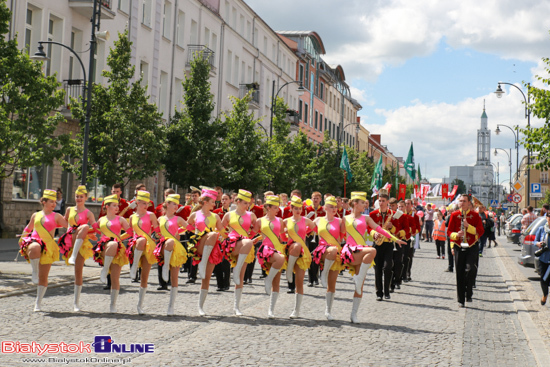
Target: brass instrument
[[378, 241], [463, 244]]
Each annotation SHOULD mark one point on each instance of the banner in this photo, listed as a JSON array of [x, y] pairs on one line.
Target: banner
[[377, 175], [425, 190], [444, 191], [453, 193], [409, 164], [416, 191], [402, 192], [344, 164]]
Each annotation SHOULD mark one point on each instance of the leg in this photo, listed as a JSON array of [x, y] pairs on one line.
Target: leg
[[115, 286], [110, 253], [472, 259], [362, 261], [138, 251], [205, 247], [167, 252], [406, 260], [397, 267], [329, 297], [78, 268], [218, 273], [81, 233], [329, 257], [388, 267], [34, 251], [378, 267], [43, 272], [174, 273], [313, 270], [242, 248], [272, 280], [145, 269], [451, 257], [544, 283], [460, 264]]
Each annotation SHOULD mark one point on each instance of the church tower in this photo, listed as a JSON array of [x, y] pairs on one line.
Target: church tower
[[483, 142], [483, 169]]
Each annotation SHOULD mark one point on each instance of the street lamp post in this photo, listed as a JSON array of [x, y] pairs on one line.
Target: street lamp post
[[357, 128], [499, 92], [516, 142], [509, 163], [301, 90]]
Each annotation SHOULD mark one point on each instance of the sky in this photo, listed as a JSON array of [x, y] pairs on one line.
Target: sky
[[424, 69]]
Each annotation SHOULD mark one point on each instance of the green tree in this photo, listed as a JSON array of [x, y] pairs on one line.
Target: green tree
[[362, 167], [127, 136], [194, 138], [27, 124], [327, 176], [243, 149], [461, 186]]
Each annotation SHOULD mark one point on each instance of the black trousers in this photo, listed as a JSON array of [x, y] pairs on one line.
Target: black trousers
[[406, 259], [313, 271], [412, 250], [440, 247], [466, 266], [544, 284], [162, 283], [222, 271], [397, 265], [450, 256], [383, 268], [429, 224], [250, 267]]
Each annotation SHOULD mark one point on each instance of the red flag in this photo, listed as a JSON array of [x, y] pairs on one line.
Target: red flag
[[425, 189], [453, 193], [416, 191], [402, 192], [444, 191]]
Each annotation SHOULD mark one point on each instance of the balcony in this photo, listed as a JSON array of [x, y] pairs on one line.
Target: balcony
[[293, 118], [207, 54], [254, 88], [73, 89], [86, 8]]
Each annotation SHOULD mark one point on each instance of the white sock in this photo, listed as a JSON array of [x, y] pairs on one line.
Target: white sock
[[77, 290], [238, 294], [173, 294], [269, 279], [40, 291], [76, 249], [35, 263], [237, 269], [140, 300], [290, 267], [272, 302], [105, 271], [166, 266], [114, 296], [135, 264], [202, 297]]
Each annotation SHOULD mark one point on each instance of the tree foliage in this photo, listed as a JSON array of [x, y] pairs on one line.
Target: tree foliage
[[462, 189], [194, 137], [127, 136], [27, 99]]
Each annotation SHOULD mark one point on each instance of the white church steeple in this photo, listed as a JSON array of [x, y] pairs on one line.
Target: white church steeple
[[483, 142]]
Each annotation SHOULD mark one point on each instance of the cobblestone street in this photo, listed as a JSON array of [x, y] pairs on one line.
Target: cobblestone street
[[420, 326]]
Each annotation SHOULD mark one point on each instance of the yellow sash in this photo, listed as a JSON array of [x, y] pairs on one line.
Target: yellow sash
[[352, 230], [235, 223], [134, 221], [104, 228], [42, 232], [291, 227], [268, 232], [163, 221], [325, 233], [73, 216]]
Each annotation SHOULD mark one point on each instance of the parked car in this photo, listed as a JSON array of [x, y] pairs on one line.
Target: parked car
[[513, 229], [528, 247]]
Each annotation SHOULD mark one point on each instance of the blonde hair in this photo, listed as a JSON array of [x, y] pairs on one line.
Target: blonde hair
[[202, 199]]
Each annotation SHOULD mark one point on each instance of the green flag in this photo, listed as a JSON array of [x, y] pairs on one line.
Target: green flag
[[344, 164], [409, 164], [419, 174], [377, 175]]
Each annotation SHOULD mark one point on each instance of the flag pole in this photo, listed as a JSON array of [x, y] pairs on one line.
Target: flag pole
[[344, 183]]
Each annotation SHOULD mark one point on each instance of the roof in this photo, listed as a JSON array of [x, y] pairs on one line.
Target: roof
[[305, 34]]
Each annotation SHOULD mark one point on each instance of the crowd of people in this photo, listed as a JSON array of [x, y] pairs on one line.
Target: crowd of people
[[215, 233]]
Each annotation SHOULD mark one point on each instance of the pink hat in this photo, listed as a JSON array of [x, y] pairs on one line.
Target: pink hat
[[209, 193]]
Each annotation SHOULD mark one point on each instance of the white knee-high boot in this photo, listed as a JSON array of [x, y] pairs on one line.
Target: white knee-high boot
[[77, 290], [35, 265], [166, 266], [114, 297], [202, 298], [173, 294], [272, 302], [140, 300], [236, 308], [269, 279], [324, 274], [206, 250], [297, 304], [359, 279], [354, 309], [290, 267], [135, 264], [105, 270], [40, 291], [329, 298], [76, 249], [237, 269]]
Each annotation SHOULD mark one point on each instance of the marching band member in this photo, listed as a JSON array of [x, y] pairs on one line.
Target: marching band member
[[238, 248], [328, 251], [204, 244], [356, 255], [37, 243], [109, 250], [170, 253], [270, 254], [384, 247], [414, 224], [116, 189], [297, 253], [404, 235], [143, 223], [465, 229], [312, 238], [190, 204], [258, 211], [222, 271], [81, 221]]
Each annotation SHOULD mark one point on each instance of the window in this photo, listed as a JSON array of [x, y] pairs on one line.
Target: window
[[265, 46], [326, 124], [146, 13], [321, 91], [248, 31], [300, 109], [144, 73], [301, 74], [544, 177], [28, 30], [124, 5], [55, 29], [241, 25], [306, 111], [234, 18], [229, 66], [166, 20], [255, 37], [320, 122], [227, 9], [243, 71], [178, 95], [274, 52], [163, 95], [96, 191], [194, 32], [236, 71], [29, 183], [180, 32]]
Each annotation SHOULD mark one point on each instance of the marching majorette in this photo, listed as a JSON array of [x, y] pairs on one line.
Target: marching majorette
[[297, 253], [238, 247], [37, 243], [270, 254], [75, 245], [170, 253], [109, 251], [142, 246], [204, 245]]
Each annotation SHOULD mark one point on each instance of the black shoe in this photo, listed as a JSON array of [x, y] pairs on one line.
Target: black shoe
[[543, 300], [310, 284], [379, 298], [107, 287], [220, 289], [496, 244], [392, 290], [190, 281], [398, 286], [182, 270], [469, 299], [387, 296], [449, 270], [245, 281], [226, 288], [406, 280], [461, 305], [474, 286], [290, 291], [263, 276], [135, 280], [316, 282], [161, 288]]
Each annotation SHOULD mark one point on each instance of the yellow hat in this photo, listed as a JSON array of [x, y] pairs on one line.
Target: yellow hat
[[80, 190], [110, 199], [272, 200], [175, 198], [296, 201], [331, 200], [359, 195], [244, 195], [143, 196], [50, 194]]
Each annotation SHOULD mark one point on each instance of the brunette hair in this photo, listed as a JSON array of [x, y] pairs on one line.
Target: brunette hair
[[117, 186], [316, 193], [202, 199], [393, 201], [139, 186], [169, 192]]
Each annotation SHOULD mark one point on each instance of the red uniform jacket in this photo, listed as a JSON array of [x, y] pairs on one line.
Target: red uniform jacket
[[473, 232], [122, 204], [220, 211], [405, 227], [381, 220], [414, 223], [320, 212]]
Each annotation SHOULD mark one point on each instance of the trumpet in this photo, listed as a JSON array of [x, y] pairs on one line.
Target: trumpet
[[378, 241], [464, 244]]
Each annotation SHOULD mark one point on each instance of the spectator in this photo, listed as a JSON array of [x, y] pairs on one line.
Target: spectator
[[544, 210], [491, 230], [440, 235], [528, 218], [542, 239], [429, 221]]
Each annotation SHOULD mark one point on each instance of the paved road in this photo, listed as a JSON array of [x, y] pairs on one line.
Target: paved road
[[420, 326]]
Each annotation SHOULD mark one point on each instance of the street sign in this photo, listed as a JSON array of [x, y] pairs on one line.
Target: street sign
[[494, 203], [516, 198], [510, 197], [535, 188], [517, 186], [536, 194]]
